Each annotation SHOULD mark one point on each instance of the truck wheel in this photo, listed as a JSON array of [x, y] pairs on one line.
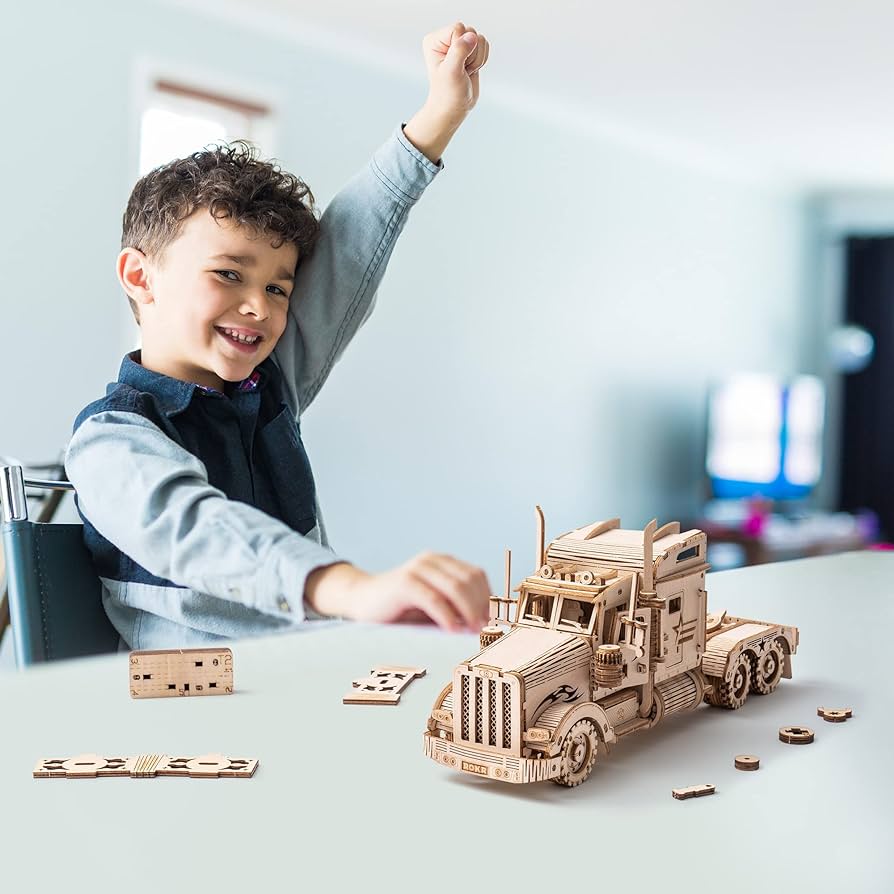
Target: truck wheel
[[732, 695], [578, 753], [767, 671]]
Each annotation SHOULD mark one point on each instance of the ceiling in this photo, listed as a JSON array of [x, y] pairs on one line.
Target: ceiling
[[793, 91]]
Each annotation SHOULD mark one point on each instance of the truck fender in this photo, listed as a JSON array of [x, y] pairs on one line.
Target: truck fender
[[591, 711]]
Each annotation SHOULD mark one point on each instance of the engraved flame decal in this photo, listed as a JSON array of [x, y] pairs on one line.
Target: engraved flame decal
[[563, 694]]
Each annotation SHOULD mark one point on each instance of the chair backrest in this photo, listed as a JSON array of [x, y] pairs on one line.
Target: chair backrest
[[55, 595]]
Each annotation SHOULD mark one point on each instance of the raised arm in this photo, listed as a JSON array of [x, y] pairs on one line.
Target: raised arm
[[335, 288]]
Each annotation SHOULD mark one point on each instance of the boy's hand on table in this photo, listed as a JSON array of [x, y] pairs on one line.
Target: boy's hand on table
[[430, 588], [454, 55]]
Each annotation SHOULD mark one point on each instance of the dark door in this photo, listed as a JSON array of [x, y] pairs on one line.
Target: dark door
[[867, 437]]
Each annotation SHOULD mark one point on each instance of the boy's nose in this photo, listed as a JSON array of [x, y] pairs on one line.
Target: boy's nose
[[256, 303]]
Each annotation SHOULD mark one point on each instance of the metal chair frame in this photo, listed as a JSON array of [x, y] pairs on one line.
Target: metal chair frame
[[31, 637], [55, 490]]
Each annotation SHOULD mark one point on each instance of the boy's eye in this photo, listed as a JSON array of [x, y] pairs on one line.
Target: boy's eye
[[232, 276]]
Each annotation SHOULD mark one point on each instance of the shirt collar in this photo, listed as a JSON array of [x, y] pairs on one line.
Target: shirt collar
[[174, 395]]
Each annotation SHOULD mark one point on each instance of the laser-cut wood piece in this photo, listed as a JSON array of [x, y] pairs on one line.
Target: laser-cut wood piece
[[693, 791], [835, 715], [383, 686], [608, 636], [796, 735], [145, 766], [747, 762], [170, 673]]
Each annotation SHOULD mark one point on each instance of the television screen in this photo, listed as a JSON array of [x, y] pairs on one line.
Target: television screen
[[765, 437]]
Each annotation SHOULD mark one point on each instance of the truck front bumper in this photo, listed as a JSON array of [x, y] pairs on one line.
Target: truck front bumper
[[492, 764]]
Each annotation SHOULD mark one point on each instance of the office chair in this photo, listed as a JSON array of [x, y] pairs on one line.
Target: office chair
[[55, 595]]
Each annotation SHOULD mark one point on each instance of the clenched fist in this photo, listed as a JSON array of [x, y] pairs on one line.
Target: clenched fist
[[453, 57]]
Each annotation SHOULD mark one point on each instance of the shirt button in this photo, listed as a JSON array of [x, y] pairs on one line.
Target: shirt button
[[284, 606]]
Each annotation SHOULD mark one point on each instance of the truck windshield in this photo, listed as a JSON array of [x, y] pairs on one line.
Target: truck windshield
[[575, 615], [538, 608]]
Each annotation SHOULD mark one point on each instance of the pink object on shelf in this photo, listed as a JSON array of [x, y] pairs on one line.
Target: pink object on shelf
[[756, 519]]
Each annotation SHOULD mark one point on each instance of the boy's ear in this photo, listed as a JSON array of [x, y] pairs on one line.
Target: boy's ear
[[133, 270]]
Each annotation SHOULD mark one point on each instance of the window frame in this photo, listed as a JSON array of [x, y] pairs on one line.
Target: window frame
[[584, 630], [554, 601]]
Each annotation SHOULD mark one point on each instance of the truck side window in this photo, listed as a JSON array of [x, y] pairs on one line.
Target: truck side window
[[674, 605], [685, 554]]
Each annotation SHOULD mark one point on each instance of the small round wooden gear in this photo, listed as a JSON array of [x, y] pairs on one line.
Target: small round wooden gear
[[747, 762], [835, 715], [490, 635], [796, 735]]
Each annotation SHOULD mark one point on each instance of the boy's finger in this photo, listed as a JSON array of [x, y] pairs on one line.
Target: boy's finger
[[447, 596], [471, 576], [441, 38], [422, 595], [476, 61], [464, 585], [486, 54], [440, 611], [460, 49]]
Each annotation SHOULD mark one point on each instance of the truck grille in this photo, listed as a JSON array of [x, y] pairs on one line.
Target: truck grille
[[485, 710]]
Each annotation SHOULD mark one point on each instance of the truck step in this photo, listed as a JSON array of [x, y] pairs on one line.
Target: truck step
[[631, 726]]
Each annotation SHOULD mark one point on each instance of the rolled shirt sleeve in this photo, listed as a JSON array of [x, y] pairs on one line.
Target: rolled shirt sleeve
[[151, 499], [335, 288]]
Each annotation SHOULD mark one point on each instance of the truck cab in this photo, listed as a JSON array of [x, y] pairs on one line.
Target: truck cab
[[607, 637]]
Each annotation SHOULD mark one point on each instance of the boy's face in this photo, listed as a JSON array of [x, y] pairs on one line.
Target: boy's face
[[216, 303]]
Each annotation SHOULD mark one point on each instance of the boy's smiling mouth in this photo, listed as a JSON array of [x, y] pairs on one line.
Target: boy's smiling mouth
[[246, 340]]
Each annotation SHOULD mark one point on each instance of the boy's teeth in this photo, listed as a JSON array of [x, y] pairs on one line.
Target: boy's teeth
[[246, 339]]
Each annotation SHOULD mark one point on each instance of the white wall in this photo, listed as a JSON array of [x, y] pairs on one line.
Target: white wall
[[546, 331]]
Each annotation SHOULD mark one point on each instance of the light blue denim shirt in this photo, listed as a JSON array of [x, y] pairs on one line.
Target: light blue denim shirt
[[189, 565]]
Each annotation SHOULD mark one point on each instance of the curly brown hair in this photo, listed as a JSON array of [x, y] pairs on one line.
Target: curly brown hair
[[231, 182]]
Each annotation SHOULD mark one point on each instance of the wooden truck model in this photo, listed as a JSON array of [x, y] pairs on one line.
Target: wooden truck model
[[609, 637]]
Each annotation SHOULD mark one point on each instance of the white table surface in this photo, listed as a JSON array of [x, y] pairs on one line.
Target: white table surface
[[343, 797]]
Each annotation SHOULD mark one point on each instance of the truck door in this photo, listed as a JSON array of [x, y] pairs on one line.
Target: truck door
[[682, 625], [673, 625]]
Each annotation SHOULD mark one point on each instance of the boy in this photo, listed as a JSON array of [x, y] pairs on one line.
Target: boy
[[197, 497]]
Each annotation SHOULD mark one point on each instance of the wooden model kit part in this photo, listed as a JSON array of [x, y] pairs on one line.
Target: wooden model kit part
[[145, 766], [170, 673], [747, 762], [835, 715], [610, 635], [693, 791], [796, 735], [383, 686]]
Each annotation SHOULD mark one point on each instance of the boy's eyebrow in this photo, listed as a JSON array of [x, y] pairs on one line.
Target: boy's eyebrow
[[250, 261]]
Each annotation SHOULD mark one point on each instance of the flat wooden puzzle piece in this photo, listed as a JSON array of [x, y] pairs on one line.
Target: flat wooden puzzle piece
[[796, 735], [693, 791], [169, 673], [835, 715], [383, 686], [145, 766]]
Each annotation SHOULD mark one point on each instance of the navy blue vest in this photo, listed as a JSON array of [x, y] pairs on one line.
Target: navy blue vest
[[248, 440]]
